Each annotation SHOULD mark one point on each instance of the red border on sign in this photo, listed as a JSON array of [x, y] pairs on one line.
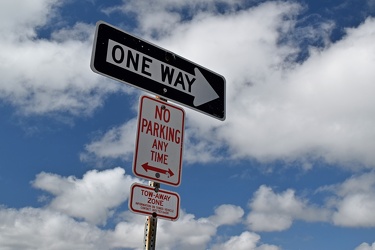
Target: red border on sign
[[150, 213], [137, 140]]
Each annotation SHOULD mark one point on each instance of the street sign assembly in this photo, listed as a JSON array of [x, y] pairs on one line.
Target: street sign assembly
[[129, 59], [159, 141], [162, 204]]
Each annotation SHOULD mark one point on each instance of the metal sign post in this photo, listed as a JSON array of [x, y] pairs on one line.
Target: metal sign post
[[151, 225]]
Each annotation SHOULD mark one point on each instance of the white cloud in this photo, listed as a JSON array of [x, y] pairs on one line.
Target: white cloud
[[197, 150], [348, 204], [356, 211], [354, 201], [161, 17], [189, 232], [51, 228], [365, 246], [98, 195], [329, 95], [93, 198], [43, 76], [18, 19], [275, 212], [129, 232], [33, 228], [319, 109], [245, 241], [227, 215], [192, 233], [118, 142]]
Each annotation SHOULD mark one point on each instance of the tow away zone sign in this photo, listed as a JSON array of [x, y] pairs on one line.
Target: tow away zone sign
[[162, 204]]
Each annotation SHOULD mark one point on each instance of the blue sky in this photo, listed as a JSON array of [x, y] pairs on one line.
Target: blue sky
[[291, 167]]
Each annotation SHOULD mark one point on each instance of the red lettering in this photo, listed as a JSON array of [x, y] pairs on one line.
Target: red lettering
[[149, 128], [156, 129], [144, 124], [155, 201], [178, 137], [147, 193], [167, 115], [162, 114], [159, 157], [161, 131]]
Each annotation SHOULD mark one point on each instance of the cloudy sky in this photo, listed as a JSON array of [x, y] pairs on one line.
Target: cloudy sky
[[292, 166]]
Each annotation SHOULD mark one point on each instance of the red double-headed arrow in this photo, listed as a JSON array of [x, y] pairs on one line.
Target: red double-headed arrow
[[147, 167]]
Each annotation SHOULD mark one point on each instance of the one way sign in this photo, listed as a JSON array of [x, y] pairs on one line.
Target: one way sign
[[124, 57]]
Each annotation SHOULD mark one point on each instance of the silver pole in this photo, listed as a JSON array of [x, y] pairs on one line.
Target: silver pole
[[152, 221], [151, 225]]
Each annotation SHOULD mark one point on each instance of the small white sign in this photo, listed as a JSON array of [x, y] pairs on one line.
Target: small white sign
[[162, 204], [159, 142]]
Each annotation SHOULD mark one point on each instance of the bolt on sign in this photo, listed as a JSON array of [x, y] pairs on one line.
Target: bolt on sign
[[147, 201], [159, 141]]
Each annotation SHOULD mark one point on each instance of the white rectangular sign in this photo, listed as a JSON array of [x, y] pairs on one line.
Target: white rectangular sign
[[162, 204], [159, 142]]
